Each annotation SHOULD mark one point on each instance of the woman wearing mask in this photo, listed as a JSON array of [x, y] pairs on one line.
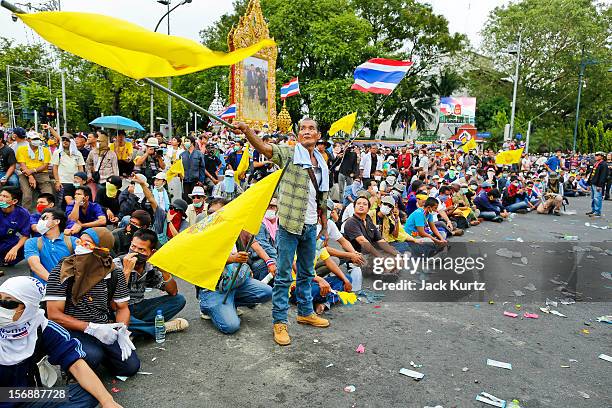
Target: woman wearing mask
[[101, 163], [26, 336], [350, 191], [387, 184], [159, 191]]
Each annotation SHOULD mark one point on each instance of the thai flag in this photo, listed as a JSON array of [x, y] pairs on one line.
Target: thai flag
[[380, 75], [291, 88], [229, 113]]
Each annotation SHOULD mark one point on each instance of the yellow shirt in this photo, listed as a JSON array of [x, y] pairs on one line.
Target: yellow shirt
[[22, 156], [124, 152]]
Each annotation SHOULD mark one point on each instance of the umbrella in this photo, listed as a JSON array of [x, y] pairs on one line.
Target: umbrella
[[116, 122]]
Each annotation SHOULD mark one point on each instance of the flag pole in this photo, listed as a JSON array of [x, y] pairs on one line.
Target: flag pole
[[188, 102], [14, 9]]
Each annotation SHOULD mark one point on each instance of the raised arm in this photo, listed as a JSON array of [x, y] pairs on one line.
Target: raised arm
[[258, 144]]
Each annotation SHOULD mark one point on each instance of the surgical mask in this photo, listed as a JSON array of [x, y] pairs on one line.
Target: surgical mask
[[76, 185], [4, 204], [198, 205], [6, 316], [391, 180], [270, 215], [464, 190], [443, 198], [40, 207], [42, 226], [385, 209], [451, 173], [377, 178], [36, 143], [140, 258], [81, 250], [187, 145], [375, 189], [160, 188]]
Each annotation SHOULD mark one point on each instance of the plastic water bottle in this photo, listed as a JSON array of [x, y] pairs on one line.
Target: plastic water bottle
[[160, 327]]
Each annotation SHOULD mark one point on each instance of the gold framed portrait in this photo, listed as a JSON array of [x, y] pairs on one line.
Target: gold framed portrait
[[253, 80]]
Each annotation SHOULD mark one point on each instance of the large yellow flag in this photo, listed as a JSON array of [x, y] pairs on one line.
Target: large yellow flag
[[345, 124], [509, 157], [128, 48], [469, 145], [243, 166], [175, 170], [199, 253]]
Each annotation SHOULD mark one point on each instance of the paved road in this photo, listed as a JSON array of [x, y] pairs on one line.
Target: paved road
[[203, 368]]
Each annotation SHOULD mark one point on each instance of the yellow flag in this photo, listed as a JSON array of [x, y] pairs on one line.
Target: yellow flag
[[345, 124], [128, 48], [469, 145], [243, 166], [199, 253], [509, 157], [175, 170], [413, 126]]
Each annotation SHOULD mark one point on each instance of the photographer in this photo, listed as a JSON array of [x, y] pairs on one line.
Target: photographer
[[151, 161]]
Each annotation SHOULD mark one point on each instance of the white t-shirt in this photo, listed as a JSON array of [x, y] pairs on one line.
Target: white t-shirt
[[332, 230], [311, 208]]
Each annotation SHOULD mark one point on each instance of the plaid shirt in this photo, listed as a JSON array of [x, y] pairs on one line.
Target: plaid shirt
[[292, 191]]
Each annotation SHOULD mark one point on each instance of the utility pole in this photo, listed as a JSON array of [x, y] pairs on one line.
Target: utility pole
[[516, 79], [582, 67], [64, 101], [169, 87]]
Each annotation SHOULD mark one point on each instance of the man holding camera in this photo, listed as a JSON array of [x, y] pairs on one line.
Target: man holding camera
[[151, 161]]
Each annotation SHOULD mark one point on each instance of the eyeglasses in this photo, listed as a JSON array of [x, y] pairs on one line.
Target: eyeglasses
[[10, 304], [90, 245]]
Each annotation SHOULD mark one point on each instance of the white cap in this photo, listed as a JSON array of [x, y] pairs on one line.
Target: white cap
[[152, 142], [161, 176]]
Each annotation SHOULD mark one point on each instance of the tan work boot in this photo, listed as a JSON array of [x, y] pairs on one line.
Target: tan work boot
[[313, 320], [281, 335]]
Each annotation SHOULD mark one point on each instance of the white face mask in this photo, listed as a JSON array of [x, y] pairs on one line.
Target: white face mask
[[42, 226], [270, 215], [385, 209], [6, 316], [81, 250], [391, 180], [375, 189], [377, 178]]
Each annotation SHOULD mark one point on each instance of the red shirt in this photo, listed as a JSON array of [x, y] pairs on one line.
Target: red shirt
[[404, 161]]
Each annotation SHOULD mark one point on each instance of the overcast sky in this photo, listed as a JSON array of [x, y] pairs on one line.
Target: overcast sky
[[464, 16]]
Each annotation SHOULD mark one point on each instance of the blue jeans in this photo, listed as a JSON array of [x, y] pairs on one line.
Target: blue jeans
[[142, 314], [596, 199], [415, 249], [304, 246], [77, 398], [521, 205], [12, 181], [224, 316], [260, 269], [488, 215], [109, 355]]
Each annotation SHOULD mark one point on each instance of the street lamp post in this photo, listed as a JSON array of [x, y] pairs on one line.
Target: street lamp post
[[516, 79], [170, 10]]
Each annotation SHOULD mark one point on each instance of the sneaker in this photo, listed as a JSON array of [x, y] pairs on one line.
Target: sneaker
[[498, 219], [590, 213], [176, 325], [281, 335], [557, 213], [595, 215], [313, 320], [204, 316]]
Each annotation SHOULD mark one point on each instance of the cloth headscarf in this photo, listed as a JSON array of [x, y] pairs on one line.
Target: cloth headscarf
[[89, 269], [18, 339]]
